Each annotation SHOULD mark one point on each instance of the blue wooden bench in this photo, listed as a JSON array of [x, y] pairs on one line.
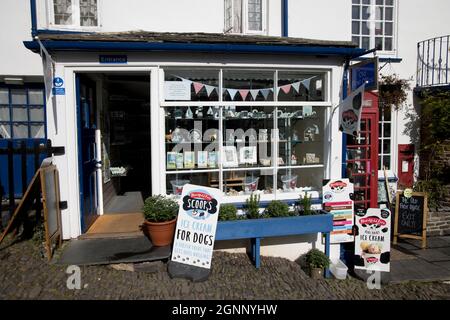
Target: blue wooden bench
[[256, 229]]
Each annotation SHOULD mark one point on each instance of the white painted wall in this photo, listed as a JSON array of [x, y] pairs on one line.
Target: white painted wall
[[15, 27], [320, 19]]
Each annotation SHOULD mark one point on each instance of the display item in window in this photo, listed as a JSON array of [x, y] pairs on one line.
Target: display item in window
[[180, 160], [289, 182], [177, 186], [250, 184], [189, 159], [293, 159], [189, 114], [195, 135], [263, 135], [212, 159], [202, 159], [172, 160], [199, 112], [230, 158], [248, 155], [178, 113]]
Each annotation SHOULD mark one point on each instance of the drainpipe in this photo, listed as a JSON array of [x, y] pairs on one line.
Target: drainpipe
[[284, 22], [33, 18]]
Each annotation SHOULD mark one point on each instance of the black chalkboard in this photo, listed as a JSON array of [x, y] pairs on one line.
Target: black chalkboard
[[411, 216]]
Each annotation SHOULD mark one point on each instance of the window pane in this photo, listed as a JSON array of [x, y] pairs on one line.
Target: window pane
[[355, 12], [387, 130], [4, 113], [387, 114], [228, 14], [388, 28], [301, 135], [389, 2], [20, 113], [356, 1], [191, 85], [366, 1], [387, 162], [356, 27], [5, 131], [378, 28], [296, 86], [248, 85], [18, 96], [379, 13], [289, 180], [237, 16], [365, 28], [388, 44], [88, 12], [37, 114], [356, 40], [365, 13], [20, 131], [255, 15], [389, 14], [365, 43], [379, 43], [37, 131], [4, 96], [379, 2], [63, 11], [387, 146], [36, 97]]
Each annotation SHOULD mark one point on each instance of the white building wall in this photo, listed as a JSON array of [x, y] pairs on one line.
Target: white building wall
[[15, 27]]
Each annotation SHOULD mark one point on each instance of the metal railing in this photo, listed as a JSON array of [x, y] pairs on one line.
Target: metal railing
[[433, 67]]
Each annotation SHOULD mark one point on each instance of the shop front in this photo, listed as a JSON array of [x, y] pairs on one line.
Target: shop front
[[246, 118]]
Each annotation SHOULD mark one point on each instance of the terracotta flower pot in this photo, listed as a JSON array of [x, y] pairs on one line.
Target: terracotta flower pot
[[159, 233], [316, 273]]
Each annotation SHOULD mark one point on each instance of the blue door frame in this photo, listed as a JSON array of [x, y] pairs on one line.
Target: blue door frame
[[87, 164]]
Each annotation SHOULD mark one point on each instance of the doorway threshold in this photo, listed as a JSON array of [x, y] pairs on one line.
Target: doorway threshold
[[124, 225]]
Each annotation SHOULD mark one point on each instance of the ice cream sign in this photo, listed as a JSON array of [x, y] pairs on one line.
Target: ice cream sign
[[196, 226], [372, 242]]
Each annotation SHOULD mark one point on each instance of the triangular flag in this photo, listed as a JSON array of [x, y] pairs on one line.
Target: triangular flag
[[232, 93], [198, 86], [254, 93], [286, 88], [265, 93], [306, 82], [243, 93], [296, 86], [209, 89]]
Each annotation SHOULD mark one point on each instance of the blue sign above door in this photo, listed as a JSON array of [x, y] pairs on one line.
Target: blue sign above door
[[114, 59], [364, 72]]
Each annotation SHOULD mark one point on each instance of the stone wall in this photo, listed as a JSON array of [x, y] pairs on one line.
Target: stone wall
[[438, 223]]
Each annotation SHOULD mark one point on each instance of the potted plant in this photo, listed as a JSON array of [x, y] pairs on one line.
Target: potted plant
[[160, 215], [277, 208], [252, 207], [317, 261], [228, 212], [305, 205]]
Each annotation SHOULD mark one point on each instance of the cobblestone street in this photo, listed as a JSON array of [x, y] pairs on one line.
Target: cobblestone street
[[24, 274]]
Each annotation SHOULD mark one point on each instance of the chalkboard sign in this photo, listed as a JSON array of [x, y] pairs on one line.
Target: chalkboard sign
[[411, 210]]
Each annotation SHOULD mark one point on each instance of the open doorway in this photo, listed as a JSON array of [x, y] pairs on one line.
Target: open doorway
[[122, 151]]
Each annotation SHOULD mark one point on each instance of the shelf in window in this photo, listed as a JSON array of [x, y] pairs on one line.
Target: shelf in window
[[170, 118], [190, 142], [302, 166], [187, 171], [228, 169]]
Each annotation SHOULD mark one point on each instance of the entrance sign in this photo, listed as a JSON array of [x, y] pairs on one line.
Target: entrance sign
[[113, 59], [177, 90], [365, 72], [350, 112], [373, 239], [336, 200], [196, 226], [411, 211]]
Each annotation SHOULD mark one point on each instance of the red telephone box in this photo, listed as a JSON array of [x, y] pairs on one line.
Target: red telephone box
[[362, 156], [405, 169]]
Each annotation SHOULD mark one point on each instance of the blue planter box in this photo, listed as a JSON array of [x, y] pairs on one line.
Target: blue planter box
[[255, 229]]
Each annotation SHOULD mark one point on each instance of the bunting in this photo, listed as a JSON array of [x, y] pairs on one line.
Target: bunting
[[198, 86]]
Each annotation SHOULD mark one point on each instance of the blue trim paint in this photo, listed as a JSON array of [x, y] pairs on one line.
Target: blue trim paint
[[80, 158], [285, 17], [49, 31], [33, 18], [381, 59], [197, 47], [344, 136]]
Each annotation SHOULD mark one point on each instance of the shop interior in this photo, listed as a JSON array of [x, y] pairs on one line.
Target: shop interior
[[124, 121]]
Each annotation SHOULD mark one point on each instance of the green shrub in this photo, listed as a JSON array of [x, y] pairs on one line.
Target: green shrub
[[160, 208], [317, 259], [277, 209], [227, 212], [252, 207], [305, 205]]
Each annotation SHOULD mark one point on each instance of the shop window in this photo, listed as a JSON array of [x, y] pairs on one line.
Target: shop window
[[245, 16], [296, 86], [373, 23], [22, 113], [75, 13], [188, 85], [244, 142]]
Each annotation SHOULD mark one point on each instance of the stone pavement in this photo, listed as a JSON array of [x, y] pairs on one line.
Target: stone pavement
[[25, 274], [410, 262]]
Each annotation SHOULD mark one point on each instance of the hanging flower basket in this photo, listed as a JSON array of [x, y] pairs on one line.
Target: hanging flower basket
[[393, 91]]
